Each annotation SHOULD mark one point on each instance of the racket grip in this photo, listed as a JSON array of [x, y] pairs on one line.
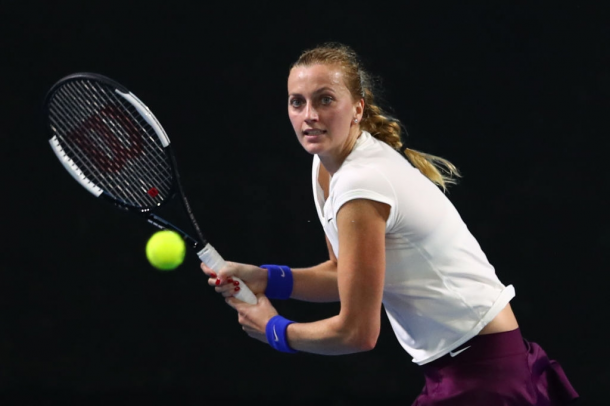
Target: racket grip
[[209, 256]]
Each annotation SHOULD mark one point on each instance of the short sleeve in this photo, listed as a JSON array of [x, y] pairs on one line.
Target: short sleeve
[[363, 182]]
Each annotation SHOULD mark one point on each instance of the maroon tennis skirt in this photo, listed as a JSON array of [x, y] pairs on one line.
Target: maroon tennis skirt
[[499, 369]]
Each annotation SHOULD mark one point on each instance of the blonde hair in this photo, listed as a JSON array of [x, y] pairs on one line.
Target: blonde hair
[[374, 119]]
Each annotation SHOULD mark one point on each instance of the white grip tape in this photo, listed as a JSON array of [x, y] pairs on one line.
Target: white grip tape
[[209, 256]]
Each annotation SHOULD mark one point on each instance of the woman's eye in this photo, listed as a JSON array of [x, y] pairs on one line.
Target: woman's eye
[[327, 100], [295, 103]]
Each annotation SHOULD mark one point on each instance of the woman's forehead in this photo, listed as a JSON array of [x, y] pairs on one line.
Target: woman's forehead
[[314, 76]]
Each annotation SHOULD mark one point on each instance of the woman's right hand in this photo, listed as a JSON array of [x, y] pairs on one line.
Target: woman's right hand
[[253, 276]]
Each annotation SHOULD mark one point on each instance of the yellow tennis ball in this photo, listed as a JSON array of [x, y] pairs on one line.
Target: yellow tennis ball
[[165, 250]]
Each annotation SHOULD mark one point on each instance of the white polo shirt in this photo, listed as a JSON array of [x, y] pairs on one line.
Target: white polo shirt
[[440, 290]]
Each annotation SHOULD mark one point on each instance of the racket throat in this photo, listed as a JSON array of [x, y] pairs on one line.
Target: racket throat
[[163, 225]]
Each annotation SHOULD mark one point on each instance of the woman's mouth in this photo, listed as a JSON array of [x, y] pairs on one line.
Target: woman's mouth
[[312, 132]]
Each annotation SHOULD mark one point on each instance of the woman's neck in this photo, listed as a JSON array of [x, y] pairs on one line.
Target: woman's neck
[[334, 159]]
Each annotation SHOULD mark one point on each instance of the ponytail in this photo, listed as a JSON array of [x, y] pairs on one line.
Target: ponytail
[[387, 129], [439, 170]]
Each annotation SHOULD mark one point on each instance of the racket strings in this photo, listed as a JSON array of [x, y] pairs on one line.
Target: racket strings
[[156, 155], [59, 117], [110, 142], [105, 124], [86, 153]]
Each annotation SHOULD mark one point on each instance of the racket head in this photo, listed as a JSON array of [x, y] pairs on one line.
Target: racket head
[[110, 142]]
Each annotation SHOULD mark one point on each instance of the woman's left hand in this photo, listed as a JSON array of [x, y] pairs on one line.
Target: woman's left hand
[[254, 318]]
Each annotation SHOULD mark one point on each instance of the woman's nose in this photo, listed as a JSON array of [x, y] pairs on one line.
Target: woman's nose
[[310, 113]]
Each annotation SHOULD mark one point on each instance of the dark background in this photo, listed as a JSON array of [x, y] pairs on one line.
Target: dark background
[[515, 96]]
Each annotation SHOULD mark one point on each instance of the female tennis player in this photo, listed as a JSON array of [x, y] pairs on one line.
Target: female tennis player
[[394, 239]]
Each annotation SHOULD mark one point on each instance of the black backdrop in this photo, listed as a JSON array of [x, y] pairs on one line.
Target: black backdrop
[[515, 96]]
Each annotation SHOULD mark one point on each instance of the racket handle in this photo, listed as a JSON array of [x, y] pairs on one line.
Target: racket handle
[[209, 256]]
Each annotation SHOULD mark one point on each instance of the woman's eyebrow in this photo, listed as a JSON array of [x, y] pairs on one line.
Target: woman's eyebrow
[[317, 91]]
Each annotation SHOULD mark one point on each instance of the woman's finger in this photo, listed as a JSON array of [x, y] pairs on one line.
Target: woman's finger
[[228, 289], [223, 283], [208, 271], [227, 272]]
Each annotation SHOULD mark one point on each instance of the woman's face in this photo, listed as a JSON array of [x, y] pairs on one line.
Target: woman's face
[[321, 109]]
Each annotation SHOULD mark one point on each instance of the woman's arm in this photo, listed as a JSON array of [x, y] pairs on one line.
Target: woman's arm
[[360, 276], [314, 284], [318, 283]]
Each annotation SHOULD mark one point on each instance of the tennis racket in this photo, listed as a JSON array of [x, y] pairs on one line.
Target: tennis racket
[[114, 147]]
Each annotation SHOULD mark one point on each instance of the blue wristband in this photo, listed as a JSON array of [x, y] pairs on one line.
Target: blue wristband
[[276, 333], [279, 281]]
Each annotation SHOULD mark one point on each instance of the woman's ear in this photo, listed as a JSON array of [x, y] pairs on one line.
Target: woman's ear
[[359, 110]]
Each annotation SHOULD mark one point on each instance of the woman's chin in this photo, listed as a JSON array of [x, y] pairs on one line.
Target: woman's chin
[[313, 147]]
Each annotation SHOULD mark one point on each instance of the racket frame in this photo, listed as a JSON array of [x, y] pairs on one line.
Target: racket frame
[[205, 251], [146, 212]]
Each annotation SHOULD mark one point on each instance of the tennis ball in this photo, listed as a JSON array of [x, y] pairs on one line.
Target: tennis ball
[[165, 250]]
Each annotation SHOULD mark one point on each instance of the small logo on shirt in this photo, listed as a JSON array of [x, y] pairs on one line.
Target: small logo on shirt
[[456, 353], [329, 220]]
